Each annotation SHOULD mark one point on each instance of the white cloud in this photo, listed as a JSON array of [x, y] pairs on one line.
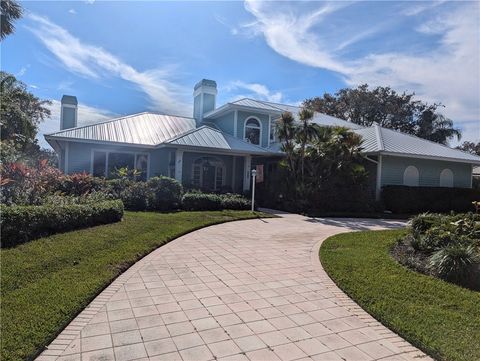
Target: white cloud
[[22, 71], [255, 90], [449, 73], [94, 62], [72, 11], [86, 115]]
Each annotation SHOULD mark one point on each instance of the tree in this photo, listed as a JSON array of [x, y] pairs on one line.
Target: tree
[[389, 109], [20, 114], [470, 147], [10, 11], [286, 130], [306, 133]]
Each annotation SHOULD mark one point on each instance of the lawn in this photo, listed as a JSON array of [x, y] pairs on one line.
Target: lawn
[[438, 317], [46, 282]]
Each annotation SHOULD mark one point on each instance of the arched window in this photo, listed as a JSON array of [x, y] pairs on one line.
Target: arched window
[[446, 178], [253, 131], [208, 173], [410, 176]]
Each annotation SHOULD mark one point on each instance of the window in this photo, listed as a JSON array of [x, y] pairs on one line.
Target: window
[[99, 164], [208, 173], [120, 160], [272, 132], [446, 178], [410, 176], [252, 131], [106, 164], [141, 164]]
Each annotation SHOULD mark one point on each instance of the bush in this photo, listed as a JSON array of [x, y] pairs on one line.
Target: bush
[[201, 202], [235, 202], [410, 200], [166, 193], [445, 246], [23, 223], [198, 201], [136, 196], [457, 263]]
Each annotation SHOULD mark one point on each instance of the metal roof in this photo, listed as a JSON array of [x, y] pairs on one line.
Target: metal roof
[[142, 129], [387, 141], [206, 137]]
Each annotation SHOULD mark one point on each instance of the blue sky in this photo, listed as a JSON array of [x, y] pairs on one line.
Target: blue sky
[[126, 57]]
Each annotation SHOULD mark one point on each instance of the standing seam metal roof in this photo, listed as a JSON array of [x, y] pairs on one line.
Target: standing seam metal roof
[[377, 139], [143, 128]]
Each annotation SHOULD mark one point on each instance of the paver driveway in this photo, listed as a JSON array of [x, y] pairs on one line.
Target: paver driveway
[[246, 290]]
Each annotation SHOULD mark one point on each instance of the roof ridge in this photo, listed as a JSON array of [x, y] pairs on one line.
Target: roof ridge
[[430, 141], [378, 135], [190, 131], [97, 123], [115, 119]]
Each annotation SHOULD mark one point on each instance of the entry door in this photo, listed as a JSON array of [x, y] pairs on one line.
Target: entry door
[[209, 177]]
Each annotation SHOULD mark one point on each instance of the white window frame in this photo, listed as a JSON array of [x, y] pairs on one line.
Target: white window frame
[[212, 159], [443, 174], [107, 153], [252, 127], [407, 181]]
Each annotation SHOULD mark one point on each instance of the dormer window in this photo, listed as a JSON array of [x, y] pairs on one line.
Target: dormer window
[[252, 131]]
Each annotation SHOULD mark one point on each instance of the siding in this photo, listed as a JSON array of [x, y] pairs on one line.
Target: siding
[[429, 171], [225, 123], [242, 116]]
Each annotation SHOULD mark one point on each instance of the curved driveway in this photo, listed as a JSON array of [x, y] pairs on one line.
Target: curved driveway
[[245, 290]]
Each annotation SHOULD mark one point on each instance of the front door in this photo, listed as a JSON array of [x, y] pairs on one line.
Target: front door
[[209, 177]]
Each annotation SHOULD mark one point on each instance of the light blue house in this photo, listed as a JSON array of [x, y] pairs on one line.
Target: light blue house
[[217, 148]]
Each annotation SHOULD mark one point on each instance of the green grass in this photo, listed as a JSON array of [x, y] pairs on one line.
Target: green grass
[[46, 282], [438, 317]]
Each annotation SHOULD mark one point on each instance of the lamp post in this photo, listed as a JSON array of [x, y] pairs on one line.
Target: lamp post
[[254, 174]]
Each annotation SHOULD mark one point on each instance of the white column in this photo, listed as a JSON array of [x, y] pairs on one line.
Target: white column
[[247, 165], [269, 128], [234, 168], [378, 185], [235, 121], [67, 151], [178, 164]]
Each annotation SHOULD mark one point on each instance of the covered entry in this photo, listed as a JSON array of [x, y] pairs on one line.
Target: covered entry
[[209, 173]]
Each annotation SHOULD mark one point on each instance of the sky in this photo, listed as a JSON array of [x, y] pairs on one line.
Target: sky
[[124, 57]]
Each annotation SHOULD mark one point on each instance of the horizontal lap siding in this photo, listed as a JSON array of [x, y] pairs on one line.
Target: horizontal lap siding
[[429, 171]]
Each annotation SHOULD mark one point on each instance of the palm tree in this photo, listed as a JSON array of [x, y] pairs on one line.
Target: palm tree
[[10, 10], [437, 128], [305, 134], [285, 130]]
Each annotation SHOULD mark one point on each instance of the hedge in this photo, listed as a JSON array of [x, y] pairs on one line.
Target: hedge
[[197, 201], [410, 200], [20, 224]]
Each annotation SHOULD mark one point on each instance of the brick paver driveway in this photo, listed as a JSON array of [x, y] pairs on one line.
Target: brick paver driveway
[[246, 290]]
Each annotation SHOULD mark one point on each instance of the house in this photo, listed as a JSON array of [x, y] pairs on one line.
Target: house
[[216, 148]]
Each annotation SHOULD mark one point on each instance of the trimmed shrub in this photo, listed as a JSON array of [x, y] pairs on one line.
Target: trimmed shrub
[[136, 196], [201, 202], [23, 223], [410, 200], [235, 202], [166, 193]]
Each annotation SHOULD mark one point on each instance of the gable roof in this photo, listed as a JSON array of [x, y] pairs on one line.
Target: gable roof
[[142, 129], [278, 109], [207, 137], [391, 142]]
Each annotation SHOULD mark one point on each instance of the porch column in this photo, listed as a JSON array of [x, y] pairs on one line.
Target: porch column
[[247, 165], [378, 185], [178, 164]]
